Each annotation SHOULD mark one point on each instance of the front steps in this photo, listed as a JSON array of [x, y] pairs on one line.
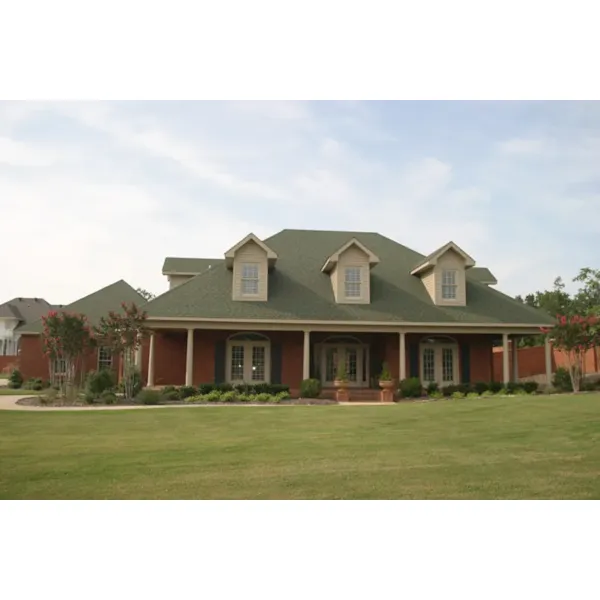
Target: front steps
[[355, 394]]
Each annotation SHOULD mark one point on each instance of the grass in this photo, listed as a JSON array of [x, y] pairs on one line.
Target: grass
[[522, 447], [20, 392]]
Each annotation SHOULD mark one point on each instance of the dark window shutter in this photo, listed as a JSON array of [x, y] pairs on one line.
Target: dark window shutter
[[220, 362], [413, 360], [465, 363], [275, 363]]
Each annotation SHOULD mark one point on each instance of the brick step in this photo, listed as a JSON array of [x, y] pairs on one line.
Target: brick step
[[356, 394]]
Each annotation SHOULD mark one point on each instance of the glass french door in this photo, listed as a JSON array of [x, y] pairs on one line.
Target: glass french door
[[354, 360], [248, 362], [439, 364]]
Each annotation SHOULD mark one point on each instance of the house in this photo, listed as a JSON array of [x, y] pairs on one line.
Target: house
[[15, 315], [33, 362], [292, 306]]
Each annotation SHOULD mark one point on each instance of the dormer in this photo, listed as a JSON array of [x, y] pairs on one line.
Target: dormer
[[250, 260], [349, 268], [444, 275]]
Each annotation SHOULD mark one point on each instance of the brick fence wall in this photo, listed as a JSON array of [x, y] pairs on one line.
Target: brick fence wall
[[532, 361]]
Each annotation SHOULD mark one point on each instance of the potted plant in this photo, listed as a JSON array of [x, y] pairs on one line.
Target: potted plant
[[386, 382]]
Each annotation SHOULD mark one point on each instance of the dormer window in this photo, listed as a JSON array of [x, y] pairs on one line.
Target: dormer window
[[352, 282], [250, 279], [449, 285]]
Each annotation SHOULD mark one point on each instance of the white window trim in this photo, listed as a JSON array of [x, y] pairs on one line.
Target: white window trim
[[245, 279], [454, 285], [111, 358], [360, 282], [438, 348], [248, 345]]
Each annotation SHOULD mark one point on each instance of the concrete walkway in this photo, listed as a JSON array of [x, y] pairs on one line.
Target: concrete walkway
[[10, 403]]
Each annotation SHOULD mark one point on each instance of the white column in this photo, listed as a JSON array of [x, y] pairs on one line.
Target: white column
[[189, 358], [505, 361], [548, 355], [151, 362], [306, 356], [402, 353], [138, 357], [515, 359]]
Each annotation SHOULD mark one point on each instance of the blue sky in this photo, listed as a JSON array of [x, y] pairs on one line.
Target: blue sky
[[94, 192]]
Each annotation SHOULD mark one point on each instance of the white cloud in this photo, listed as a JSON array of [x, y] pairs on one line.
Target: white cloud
[[19, 154], [520, 146]]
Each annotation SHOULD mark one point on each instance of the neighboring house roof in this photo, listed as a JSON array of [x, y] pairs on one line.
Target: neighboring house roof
[[188, 266], [483, 275], [25, 310], [298, 290], [98, 304]]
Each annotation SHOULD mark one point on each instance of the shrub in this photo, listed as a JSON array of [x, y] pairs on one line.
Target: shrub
[[457, 395], [33, 384], [495, 386], [472, 395], [263, 397], [562, 380], [520, 391], [246, 398], [513, 387], [481, 387], [212, 396], [310, 388], [449, 390], [15, 381], [502, 392], [464, 388], [487, 393], [149, 397], [98, 382], [411, 388], [436, 395], [531, 387], [274, 399], [173, 395], [206, 388], [137, 384], [185, 391], [432, 388], [108, 397], [284, 395], [88, 398], [228, 396], [224, 387]]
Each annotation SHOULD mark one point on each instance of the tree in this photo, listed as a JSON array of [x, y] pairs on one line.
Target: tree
[[146, 294], [66, 337], [124, 333], [587, 298], [574, 335]]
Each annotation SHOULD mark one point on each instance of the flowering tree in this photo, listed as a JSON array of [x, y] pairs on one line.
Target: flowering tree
[[66, 338], [575, 335], [123, 333]]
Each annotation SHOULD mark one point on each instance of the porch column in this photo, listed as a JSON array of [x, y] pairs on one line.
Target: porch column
[[548, 356], [505, 361], [138, 357], [515, 359], [151, 362], [189, 358], [306, 356], [402, 353]]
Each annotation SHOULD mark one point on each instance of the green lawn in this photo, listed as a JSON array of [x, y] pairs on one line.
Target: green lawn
[[10, 392], [523, 447]]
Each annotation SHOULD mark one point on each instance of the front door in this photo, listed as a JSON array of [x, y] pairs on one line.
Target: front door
[[439, 364], [354, 357]]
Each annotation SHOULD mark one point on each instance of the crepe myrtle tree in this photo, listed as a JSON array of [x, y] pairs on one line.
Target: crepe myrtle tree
[[574, 335], [124, 332], [66, 338]]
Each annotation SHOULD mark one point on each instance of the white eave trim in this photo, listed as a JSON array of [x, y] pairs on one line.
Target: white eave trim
[[230, 254], [332, 261], [433, 258]]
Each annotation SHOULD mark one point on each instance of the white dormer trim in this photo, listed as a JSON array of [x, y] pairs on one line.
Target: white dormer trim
[[432, 259], [333, 260], [230, 254]]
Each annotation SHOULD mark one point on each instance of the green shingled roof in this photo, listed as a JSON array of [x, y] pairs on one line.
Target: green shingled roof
[[483, 275], [186, 266], [298, 290], [97, 304]]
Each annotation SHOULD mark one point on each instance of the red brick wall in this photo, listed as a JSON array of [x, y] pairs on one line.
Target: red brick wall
[[8, 363], [532, 361]]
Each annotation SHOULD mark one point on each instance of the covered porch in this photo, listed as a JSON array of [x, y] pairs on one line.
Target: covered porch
[[240, 354]]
